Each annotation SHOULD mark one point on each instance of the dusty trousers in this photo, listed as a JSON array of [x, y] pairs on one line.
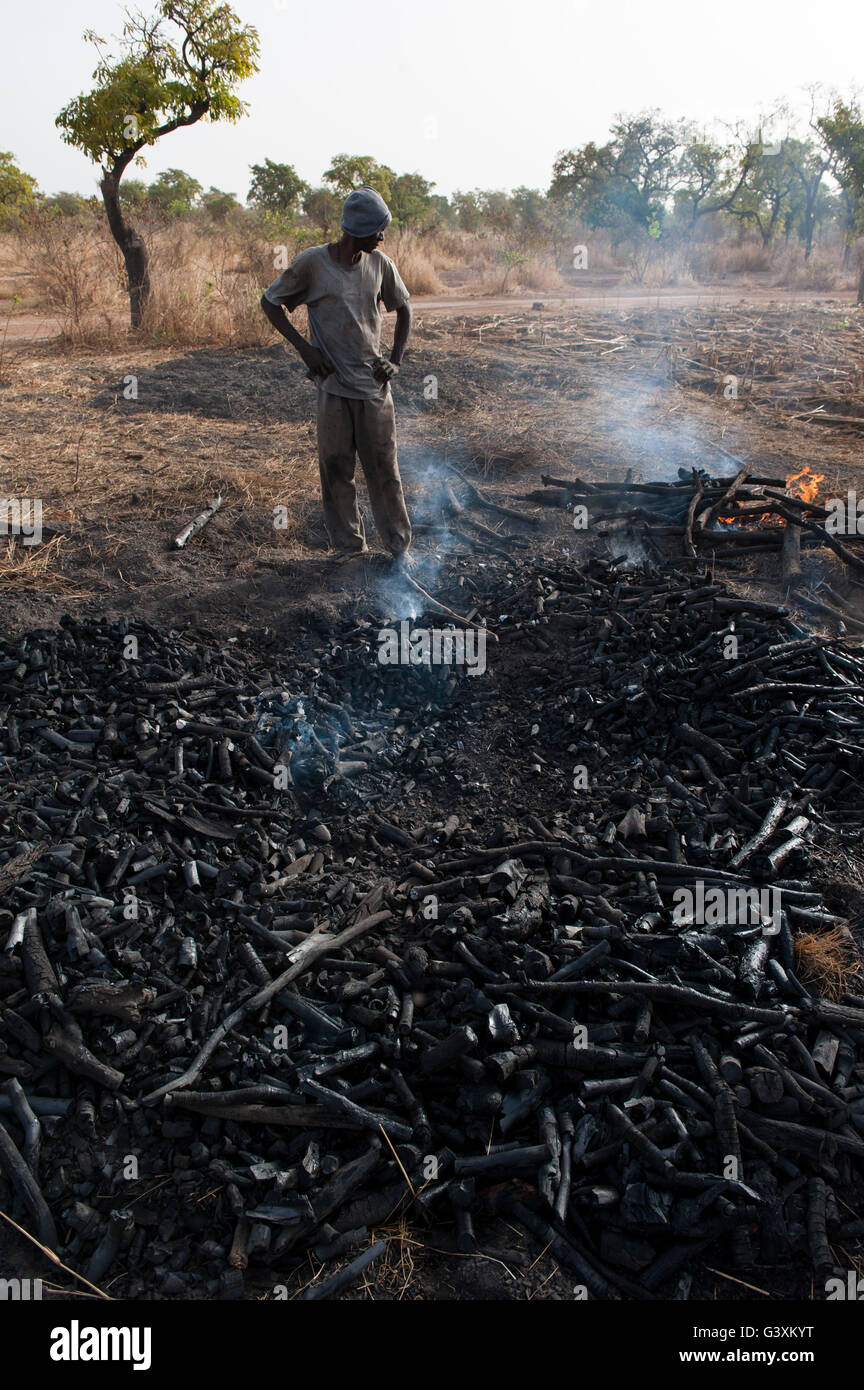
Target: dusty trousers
[[347, 429]]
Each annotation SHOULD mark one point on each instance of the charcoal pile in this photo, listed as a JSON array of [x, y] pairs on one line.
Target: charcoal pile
[[300, 945]]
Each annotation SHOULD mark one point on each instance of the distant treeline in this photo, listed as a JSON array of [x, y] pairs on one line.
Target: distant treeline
[[653, 179]]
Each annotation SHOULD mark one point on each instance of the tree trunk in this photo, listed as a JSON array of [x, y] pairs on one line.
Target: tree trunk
[[135, 254]]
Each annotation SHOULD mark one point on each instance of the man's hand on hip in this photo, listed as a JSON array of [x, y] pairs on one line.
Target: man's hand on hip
[[384, 370], [315, 360]]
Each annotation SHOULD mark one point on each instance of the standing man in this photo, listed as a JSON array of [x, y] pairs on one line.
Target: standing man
[[342, 285]]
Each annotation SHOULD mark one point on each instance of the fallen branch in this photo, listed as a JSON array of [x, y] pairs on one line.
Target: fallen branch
[[318, 944], [443, 609], [479, 500], [198, 524]]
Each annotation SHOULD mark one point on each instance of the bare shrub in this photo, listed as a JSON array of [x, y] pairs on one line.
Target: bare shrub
[[820, 272], [413, 258], [76, 274], [205, 289], [540, 273]]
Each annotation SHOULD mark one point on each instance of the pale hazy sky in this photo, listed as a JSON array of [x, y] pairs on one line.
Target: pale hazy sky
[[469, 93]]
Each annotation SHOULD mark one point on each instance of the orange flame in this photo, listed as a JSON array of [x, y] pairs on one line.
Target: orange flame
[[808, 489], [803, 485]]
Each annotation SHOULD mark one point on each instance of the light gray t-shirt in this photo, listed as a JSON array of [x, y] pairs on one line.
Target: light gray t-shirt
[[344, 317]]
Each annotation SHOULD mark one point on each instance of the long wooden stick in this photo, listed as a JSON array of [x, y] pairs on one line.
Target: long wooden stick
[[294, 1116], [304, 955], [198, 523], [28, 1188], [479, 500], [689, 548], [442, 608], [711, 513]]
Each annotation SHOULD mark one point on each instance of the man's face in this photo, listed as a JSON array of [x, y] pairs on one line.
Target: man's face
[[369, 243]]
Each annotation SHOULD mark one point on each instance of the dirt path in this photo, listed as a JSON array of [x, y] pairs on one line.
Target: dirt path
[[618, 299], [600, 294]]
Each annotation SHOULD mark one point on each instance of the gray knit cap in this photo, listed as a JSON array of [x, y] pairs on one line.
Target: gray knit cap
[[364, 213]]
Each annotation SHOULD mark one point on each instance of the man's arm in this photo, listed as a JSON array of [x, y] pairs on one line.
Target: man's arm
[[404, 319], [310, 354], [386, 368]]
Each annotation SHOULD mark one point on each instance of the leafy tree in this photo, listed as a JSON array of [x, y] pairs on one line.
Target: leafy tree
[[625, 183], [175, 68], [842, 131], [765, 194], [134, 193], [468, 209], [497, 211], [323, 208], [707, 178], [809, 165], [410, 201], [349, 171], [440, 208], [219, 206], [277, 187], [17, 189], [70, 204], [173, 192], [529, 207]]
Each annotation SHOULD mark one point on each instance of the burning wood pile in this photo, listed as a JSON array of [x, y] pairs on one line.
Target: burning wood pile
[[726, 518], [278, 971]]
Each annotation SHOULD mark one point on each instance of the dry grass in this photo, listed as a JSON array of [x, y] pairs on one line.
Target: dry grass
[[207, 279], [395, 1271], [540, 273], [820, 272], [536, 274], [782, 264], [206, 283], [75, 276], [827, 961], [744, 255], [24, 569], [206, 289], [412, 254], [98, 467]]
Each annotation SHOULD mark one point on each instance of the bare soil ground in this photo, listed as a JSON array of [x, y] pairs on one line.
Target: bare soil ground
[[596, 394], [502, 397]]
